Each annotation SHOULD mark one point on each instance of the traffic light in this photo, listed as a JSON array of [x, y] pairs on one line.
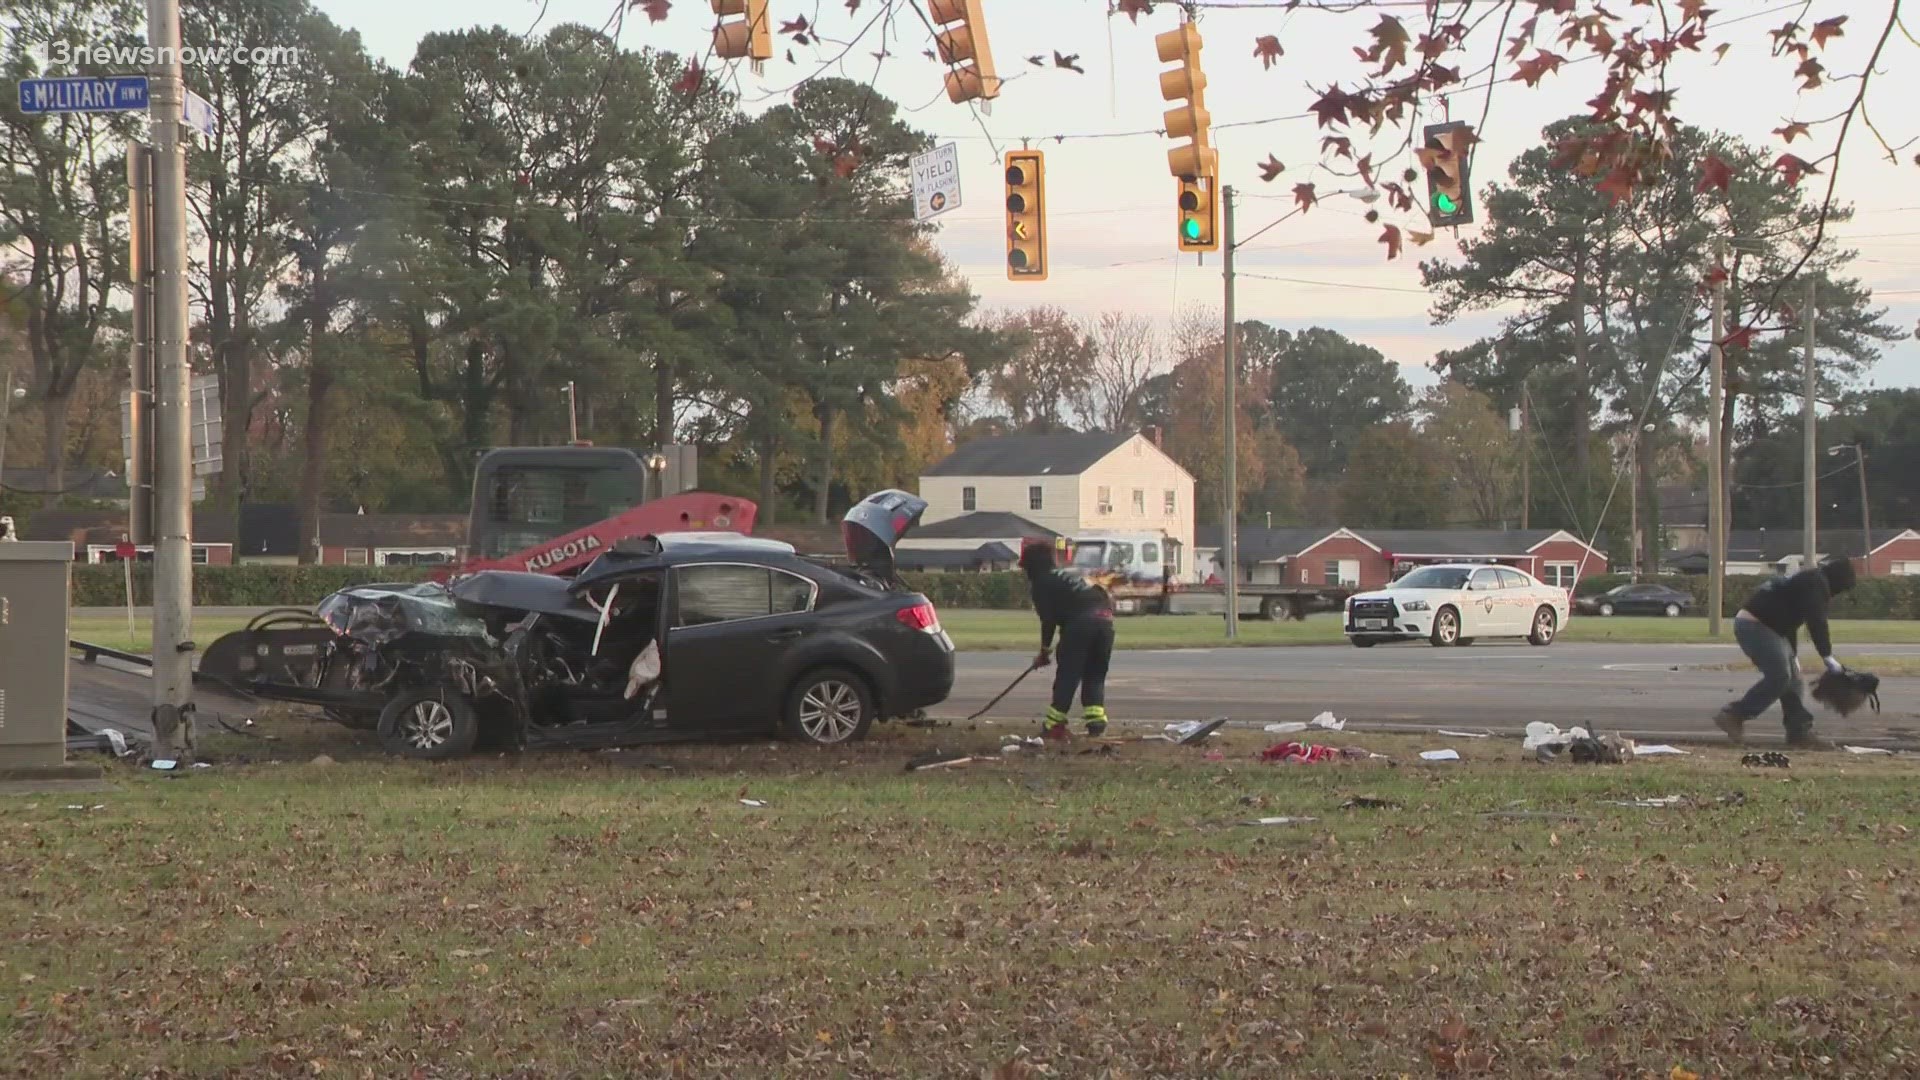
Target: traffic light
[[1448, 160], [1191, 120], [751, 37], [1198, 216], [1026, 216], [964, 48]]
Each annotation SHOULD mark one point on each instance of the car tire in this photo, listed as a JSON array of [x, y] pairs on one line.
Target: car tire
[[828, 707], [1673, 611], [428, 725], [1446, 628], [1364, 642], [1466, 641], [1546, 627], [1606, 609]]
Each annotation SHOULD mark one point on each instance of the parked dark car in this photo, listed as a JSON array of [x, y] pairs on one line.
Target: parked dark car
[[1647, 599], [678, 636]]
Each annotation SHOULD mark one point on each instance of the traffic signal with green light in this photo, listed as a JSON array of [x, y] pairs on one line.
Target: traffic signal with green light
[[964, 49], [1447, 158], [1199, 214], [1026, 216], [751, 37]]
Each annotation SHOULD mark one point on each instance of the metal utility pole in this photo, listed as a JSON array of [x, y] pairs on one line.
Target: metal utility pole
[[6, 407], [173, 706], [1526, 460], [1866, 523], [1633, 502], [1231, 497], [1810, 504], [140, 360], [1716, 483]]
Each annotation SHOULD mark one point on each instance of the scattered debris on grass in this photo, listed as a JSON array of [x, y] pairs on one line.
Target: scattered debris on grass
[[939, 759], [1649, 803], [1657, 749], [1369, 802], [165, 765], [77, 806], [1439, 755], [1189, 732], [1771, 760], [1465, 734], [322, 760], [1534, 815], [753, 803], [1299, 753], [1867, 750], [1281, 820]]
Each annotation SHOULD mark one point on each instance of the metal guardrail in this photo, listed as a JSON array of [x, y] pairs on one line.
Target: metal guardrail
[[90, 652]]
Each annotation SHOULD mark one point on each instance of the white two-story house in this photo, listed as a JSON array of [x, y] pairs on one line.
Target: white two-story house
[[998, 490]]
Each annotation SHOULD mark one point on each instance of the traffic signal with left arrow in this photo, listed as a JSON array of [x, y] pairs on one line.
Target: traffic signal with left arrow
[[1026, 216]]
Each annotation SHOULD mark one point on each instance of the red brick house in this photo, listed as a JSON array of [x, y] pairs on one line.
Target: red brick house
[[1898, 555], [1370, 558]]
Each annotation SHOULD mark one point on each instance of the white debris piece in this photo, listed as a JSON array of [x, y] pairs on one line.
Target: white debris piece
[[1439, 755], [1540, 733], [756, 803], [1281, 820], [1656, 749], [1286, 728], [1326, 720], [1648, 804], [1464, 734], [1868, 750], [1185, 728]]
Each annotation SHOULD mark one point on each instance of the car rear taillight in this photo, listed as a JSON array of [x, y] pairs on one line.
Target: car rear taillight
[[920, 616]]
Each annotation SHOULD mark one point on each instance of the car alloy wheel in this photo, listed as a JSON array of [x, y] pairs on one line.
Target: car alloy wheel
[[1446, 627], [1673, 611], [1545, 625], [426, 726], [831, 711], [1606, 609]]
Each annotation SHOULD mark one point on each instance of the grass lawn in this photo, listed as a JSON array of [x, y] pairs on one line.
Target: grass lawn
[[984, 631], [1047, 914]]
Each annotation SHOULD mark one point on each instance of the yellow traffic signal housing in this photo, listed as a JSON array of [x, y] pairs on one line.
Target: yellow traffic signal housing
[[1447, 158], [749, 38], [1188, 84], [964, 49], [1199, 213], [1026, 216]]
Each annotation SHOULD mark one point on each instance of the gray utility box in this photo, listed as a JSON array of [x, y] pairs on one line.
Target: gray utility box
[[33, 652]]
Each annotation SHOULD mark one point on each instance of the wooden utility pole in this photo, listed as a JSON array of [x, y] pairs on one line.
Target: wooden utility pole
[[1809, 503], [1716, 482], [1526, 458], [1231, 497], [1633, 501]]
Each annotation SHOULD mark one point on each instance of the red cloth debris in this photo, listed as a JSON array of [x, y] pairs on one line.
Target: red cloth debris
[[1299, 752]]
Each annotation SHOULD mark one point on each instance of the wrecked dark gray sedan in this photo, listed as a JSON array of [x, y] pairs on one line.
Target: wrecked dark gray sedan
[[671, 637]]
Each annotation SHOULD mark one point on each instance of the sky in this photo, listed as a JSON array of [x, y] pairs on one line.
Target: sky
[[1110, 197]]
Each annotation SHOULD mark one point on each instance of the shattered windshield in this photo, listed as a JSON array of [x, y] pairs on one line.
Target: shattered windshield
[[383, 613], [1435, 577]]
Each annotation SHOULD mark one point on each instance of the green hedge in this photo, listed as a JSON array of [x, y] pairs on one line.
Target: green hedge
[[1870, 598], [303, 586], [234, 586]]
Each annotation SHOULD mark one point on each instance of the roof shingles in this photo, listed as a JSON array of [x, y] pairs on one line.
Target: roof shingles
[[1060, 454]]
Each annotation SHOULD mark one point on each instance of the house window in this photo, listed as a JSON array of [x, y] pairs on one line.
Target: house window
[[1139, 502], [1906, 569], [969, 499], [102, 553], [1333, 572], [1149, 553], [1103, 496], [1033, 497], [1562, 574], [1169, 503], [356, 556], [412, 556]]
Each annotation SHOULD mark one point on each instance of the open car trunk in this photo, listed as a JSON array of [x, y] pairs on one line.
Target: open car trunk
[[875, 526]]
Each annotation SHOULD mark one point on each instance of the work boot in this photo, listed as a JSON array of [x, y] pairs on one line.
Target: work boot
[[1733, 723], [1096, 718], [1054, 728]]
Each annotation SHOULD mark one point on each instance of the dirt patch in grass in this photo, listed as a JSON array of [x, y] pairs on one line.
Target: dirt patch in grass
[[1052, 913], [1883, 666]]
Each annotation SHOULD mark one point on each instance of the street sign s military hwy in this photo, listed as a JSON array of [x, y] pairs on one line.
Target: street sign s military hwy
[[113, 93]]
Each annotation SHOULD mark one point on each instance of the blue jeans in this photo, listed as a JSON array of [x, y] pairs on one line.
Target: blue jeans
[[1779, 664]]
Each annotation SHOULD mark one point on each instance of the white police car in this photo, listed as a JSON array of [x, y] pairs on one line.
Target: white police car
[[1455, 604]]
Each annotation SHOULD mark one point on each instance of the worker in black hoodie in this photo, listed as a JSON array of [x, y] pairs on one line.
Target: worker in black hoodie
[[1083, 613], [1767, 629]]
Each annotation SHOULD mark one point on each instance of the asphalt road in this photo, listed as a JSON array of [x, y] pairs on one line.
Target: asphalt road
[[1629, 689]]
